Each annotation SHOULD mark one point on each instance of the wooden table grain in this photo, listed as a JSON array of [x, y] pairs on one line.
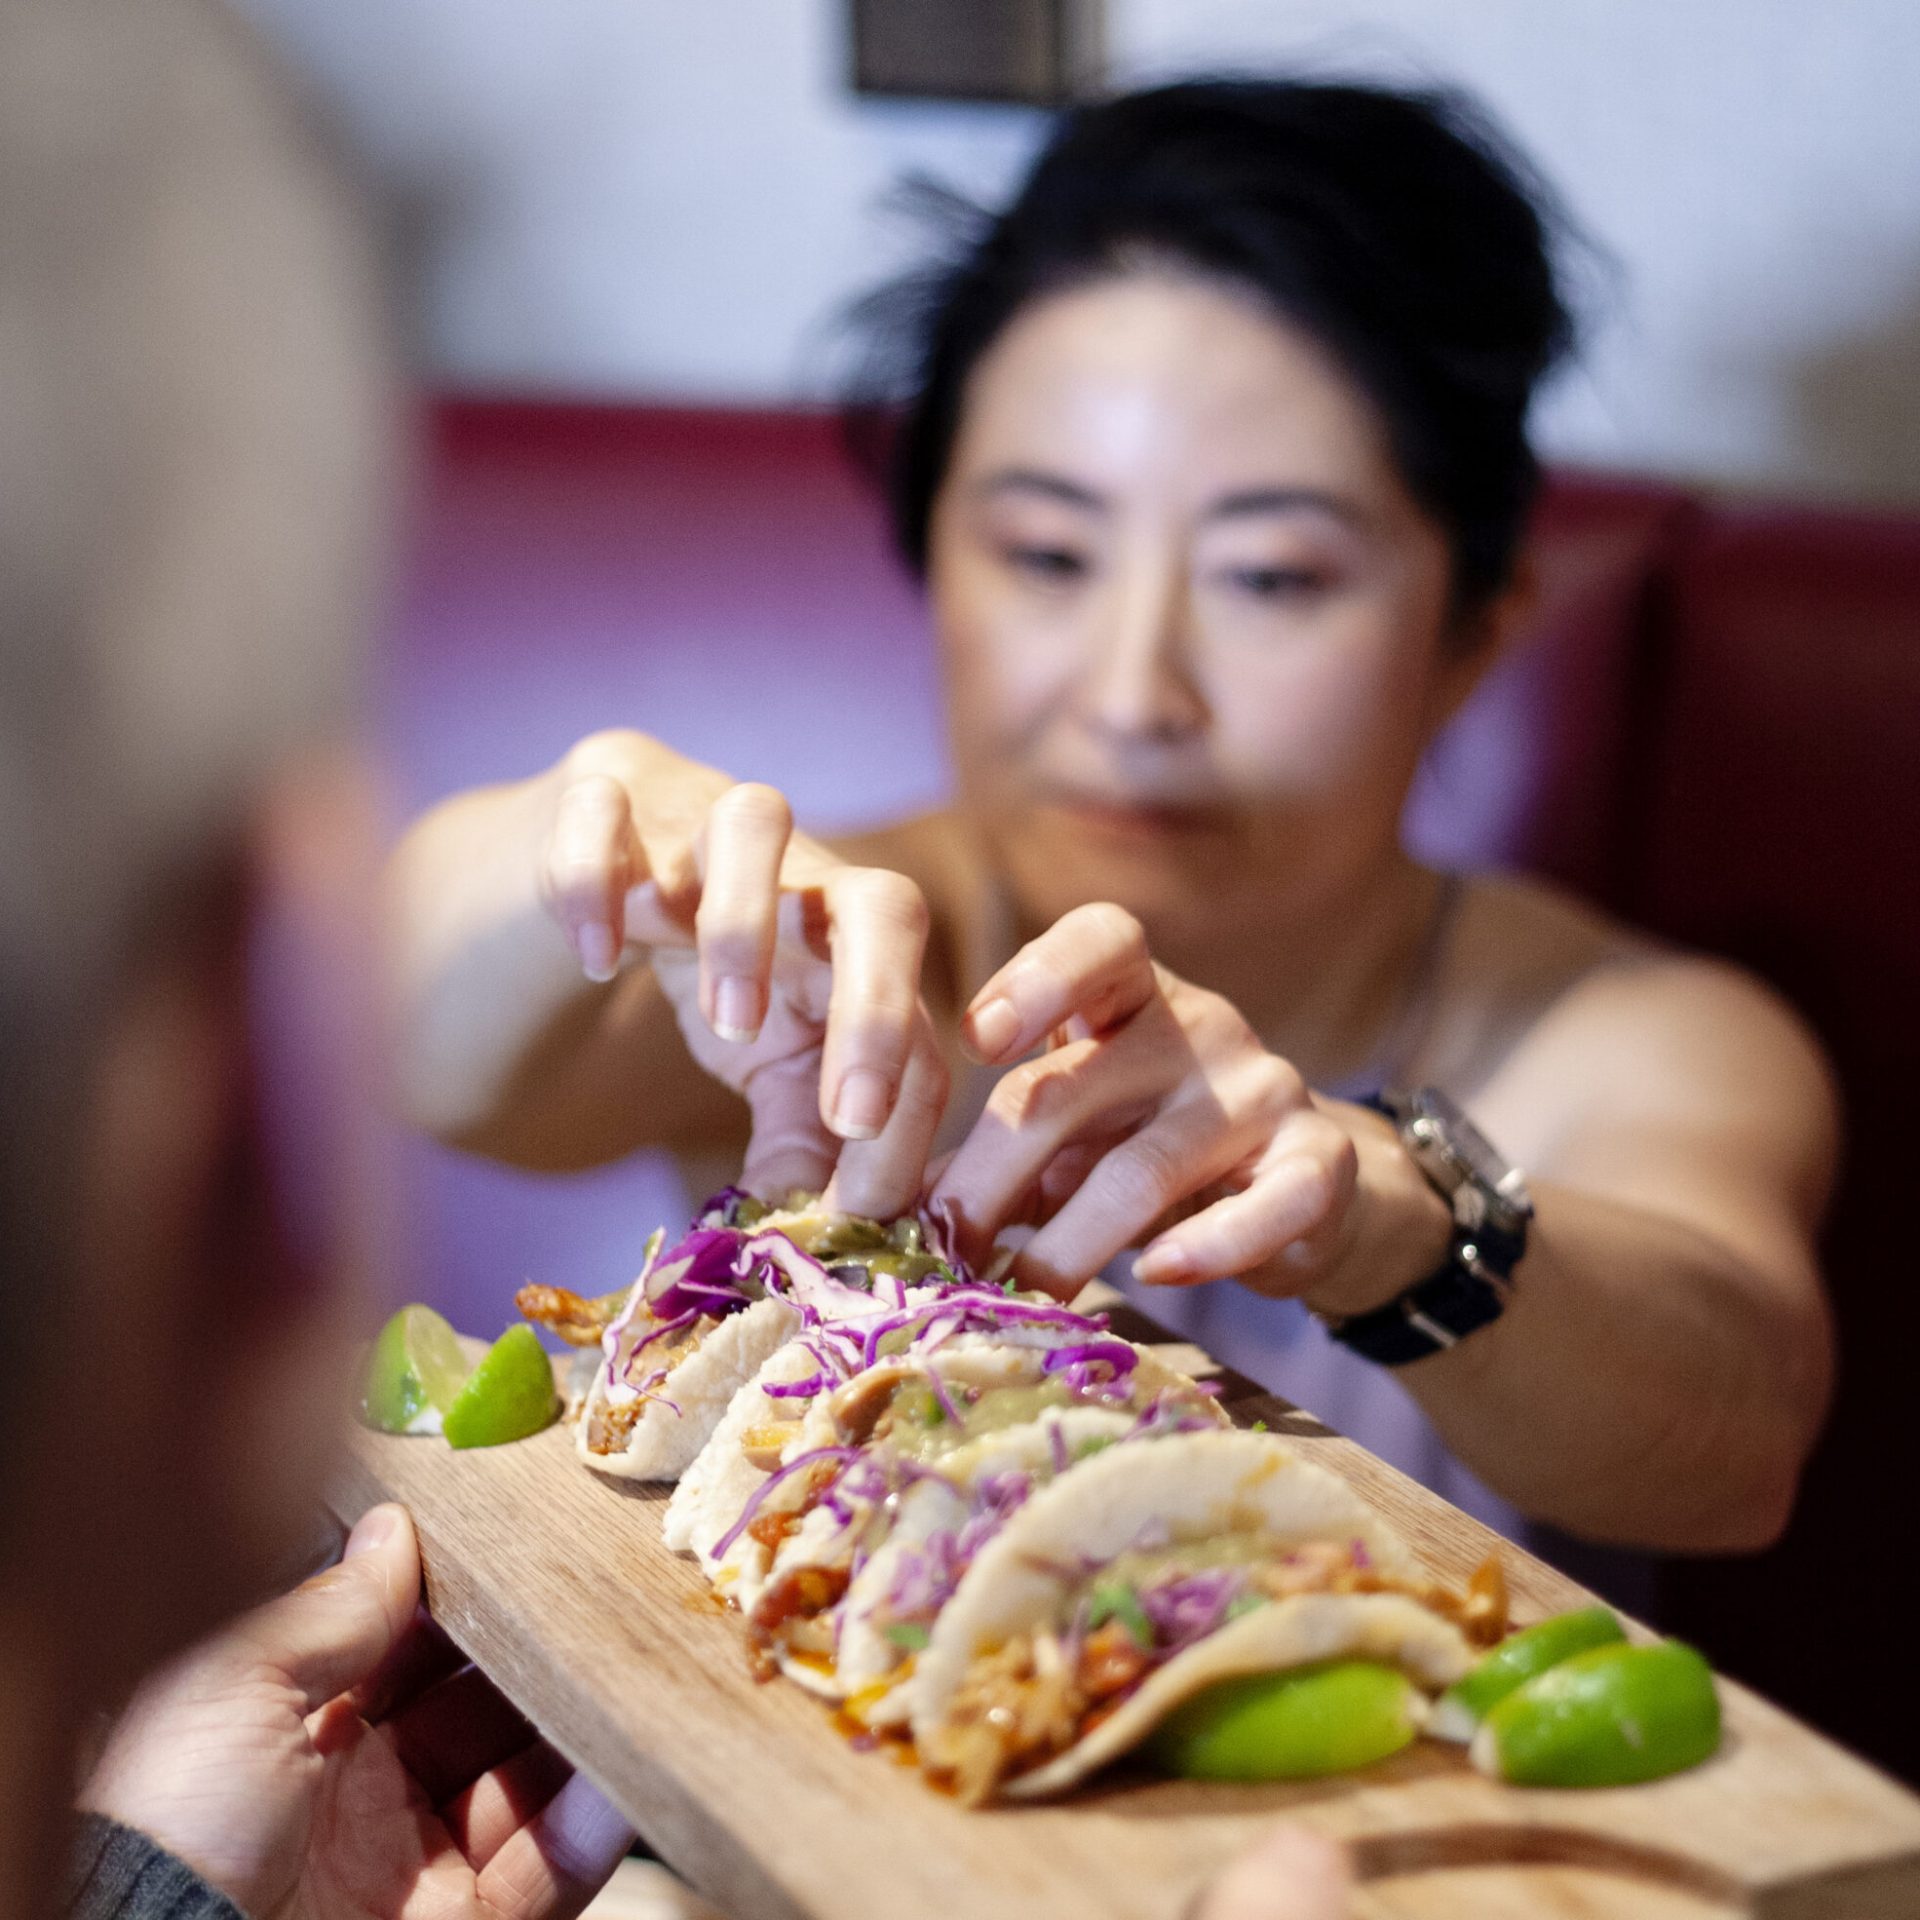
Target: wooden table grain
[[557, 1582]]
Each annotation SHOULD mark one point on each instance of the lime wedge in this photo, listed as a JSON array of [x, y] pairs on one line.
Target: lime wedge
[[1290, 1726], [1611, 1717], [507, 1396], [1514, 1662], [414, 1373]]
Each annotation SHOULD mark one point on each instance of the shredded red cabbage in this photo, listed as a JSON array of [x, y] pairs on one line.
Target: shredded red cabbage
[[1190, 1607], [1093, 1366], [925, 1577], [704, 1259], [798, 1389], [722, 1203], [801, 1277], [778, 1477]]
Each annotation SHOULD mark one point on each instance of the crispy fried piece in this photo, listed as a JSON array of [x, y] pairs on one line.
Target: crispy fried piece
[[1484, 1617], [857, 1408], [578, 1321]]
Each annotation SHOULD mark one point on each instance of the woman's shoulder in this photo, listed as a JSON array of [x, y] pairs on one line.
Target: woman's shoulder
[[1551, 1005]]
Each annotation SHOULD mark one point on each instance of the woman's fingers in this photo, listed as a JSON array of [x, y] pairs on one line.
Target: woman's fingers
[[497, 1804], [1181, 1152], [593, 856], [1091, 967], [743, 844], [877, 932], [1110, 1085], [424, 1657], [881, 1177], [1296, 1202]]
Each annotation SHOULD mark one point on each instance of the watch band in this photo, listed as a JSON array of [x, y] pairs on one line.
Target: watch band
[[1466, 1292], [1432, 1315]]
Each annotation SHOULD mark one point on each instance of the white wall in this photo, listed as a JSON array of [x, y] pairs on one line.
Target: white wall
[[669, 197]]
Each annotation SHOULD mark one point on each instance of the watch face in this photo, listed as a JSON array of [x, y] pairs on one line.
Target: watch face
[[1472, 1151], [1467, 1142]]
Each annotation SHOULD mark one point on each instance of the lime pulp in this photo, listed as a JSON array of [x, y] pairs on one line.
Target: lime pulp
[[414, 1373]]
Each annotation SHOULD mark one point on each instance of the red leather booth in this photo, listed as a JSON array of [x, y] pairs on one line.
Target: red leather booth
[[1714, 729]]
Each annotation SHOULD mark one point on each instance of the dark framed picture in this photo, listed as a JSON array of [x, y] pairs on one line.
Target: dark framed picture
[[1038, 53]]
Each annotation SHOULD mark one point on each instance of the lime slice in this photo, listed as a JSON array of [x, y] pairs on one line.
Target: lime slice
[[414, 1373], [1514, 1662], [507, 1396], [1290, 1726], [1610, 1717]]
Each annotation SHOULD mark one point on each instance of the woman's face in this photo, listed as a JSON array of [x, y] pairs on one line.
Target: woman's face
[[1192, 619]]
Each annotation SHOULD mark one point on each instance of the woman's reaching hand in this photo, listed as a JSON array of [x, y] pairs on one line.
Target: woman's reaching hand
[[535, 921], [1156, 1118], [794, 976]]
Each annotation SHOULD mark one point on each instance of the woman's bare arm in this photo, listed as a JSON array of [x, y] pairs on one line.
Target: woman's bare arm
[[504, 1044], [1666, 1362], [1664, 1368]]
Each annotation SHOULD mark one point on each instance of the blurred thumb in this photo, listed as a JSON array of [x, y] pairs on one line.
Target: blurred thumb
[[331, 1632], [1291, 1874]]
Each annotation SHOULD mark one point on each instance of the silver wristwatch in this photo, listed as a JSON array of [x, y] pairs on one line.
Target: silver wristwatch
[[1491, 1211]]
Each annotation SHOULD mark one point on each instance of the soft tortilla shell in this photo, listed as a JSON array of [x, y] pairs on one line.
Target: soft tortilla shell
[[663, 1443], [721, 1478], [1310, 1627], [1184, 1487]]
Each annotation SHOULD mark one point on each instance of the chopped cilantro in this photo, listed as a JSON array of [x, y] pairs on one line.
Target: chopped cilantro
[[1117, 1600], [922, 1406], [1245, 1603], [908, 1634]]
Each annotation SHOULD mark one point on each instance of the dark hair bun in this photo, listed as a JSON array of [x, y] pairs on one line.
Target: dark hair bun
[[1397, 228]]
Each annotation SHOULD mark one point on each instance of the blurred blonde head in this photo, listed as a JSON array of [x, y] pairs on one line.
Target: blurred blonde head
[[194, 467]]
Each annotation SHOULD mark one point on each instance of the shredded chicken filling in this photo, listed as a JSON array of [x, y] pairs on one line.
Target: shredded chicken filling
[[1041, 1693], [611, 1424]]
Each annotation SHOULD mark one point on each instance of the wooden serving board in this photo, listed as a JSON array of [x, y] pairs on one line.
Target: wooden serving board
[[556, 1581]]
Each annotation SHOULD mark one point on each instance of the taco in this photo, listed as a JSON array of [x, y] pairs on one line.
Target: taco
[[889, 1484], [1134, 1581], [701, 1320], [908, 1381]]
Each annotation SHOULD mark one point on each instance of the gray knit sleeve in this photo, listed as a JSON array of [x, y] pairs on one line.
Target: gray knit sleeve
[[119, 1874]]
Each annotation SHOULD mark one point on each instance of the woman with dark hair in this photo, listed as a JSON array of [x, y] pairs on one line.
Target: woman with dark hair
[[1213, 457]]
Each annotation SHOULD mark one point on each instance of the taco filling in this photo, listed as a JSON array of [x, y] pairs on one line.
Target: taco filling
[[1043, 1691]]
